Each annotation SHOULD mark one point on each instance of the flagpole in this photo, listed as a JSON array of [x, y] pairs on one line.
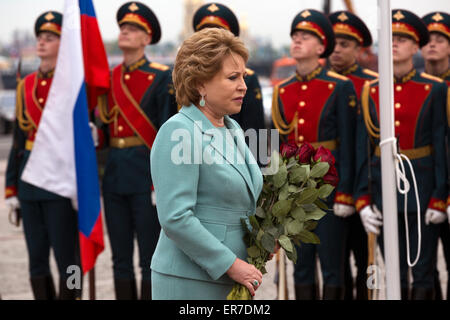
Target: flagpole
[[92, 284], [389, 192]]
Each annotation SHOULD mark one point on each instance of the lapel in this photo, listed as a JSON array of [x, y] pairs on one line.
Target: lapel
[[248, 172]]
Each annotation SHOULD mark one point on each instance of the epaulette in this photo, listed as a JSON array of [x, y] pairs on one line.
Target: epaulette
[[429, 76], [336, 75], [249, 71], [158, 66], [370, 72]]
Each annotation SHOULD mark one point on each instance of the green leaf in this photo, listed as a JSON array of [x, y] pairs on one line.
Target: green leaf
[[260, 212], [310, 225], [315, 215], [286, 243], [279, 179], [281, 208], [320, 204], [325, 190], [298, 174], [254, 222], [311, 183], [259, 235], [268, 242], [319, 169], [253, 251], [293, 189], [308, 237], [294, 227], [298, 214], [308, 195], [292, 255], [284, 192]]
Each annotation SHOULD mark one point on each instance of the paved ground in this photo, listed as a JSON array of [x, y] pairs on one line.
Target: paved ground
[[14, 283]]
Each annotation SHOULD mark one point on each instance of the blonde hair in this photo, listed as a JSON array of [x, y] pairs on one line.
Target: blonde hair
[[200, 58]]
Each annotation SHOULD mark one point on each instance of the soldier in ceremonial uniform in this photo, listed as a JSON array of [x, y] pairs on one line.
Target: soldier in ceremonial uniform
[[140, 100], [420, 127], [319, 107], [251, 116], [49, 220], [352, 34], [436, 54]]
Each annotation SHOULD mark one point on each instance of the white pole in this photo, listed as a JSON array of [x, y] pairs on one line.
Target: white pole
[[389, 191]]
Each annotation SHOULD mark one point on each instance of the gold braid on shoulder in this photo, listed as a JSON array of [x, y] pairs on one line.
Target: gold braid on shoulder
[[277, 119], [373, 130], [24, 123]]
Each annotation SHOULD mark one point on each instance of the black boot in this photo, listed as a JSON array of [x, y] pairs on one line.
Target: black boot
[[125, 289], [361, 290], [43, 288], [305, 292], [419, 293], [437, 287], [332, 293], [146, 290]]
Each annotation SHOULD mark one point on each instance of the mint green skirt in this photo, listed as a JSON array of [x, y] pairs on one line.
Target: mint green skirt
[[168, 287]]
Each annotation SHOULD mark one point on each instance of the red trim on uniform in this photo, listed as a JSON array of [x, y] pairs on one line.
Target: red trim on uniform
[[439, 27], [344, 198], [404, 28], [137, 19], [436, 204], [131, 110], [214, 20], [32, 107], [448, 201], [346, 29], [361, 202], [10, 191]]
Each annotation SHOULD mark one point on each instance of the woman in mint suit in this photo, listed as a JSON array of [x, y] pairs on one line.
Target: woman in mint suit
[[205, 177]]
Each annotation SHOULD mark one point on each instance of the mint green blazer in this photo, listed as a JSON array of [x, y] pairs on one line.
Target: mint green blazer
[[202, 192]]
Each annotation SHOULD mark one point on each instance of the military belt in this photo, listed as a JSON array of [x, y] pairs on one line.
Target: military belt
[[126, 142], [329, 144], [412, 154]]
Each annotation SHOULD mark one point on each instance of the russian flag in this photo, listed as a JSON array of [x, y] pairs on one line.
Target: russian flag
[[63, 159]]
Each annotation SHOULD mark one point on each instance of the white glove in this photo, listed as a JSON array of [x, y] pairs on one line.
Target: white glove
[[434, 216], [153, 198], [448, 213], [343, 210], [94, 133], [371, 219], [12, 203]]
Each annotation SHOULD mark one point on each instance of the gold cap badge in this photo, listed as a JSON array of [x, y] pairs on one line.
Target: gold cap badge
[[399, 15], [49, 16], [133, 7], [213, 8], [306, 14], [342, 17], [437, 17]]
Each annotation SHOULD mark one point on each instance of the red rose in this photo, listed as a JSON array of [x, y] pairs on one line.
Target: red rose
[[332, 176], [288, 149], [324, 155], [305, 152]]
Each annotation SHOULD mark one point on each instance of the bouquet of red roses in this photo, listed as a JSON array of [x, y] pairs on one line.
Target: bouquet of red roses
[[289, 206]]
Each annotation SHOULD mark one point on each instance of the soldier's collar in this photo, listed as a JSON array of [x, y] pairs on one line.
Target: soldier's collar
[[135, 65], [348, 70], [46, 74], [309, 76], [445, 74], [406, 77]]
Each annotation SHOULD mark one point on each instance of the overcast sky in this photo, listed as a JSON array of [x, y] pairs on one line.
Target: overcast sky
[[267, 19]]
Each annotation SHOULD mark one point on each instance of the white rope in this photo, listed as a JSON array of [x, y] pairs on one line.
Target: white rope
[[401, 177]]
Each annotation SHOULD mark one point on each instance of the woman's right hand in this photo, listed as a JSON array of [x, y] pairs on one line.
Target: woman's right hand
[[245, 274]]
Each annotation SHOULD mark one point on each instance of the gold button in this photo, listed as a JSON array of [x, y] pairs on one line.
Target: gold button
[[150, 77], [301, 138], [398, 88], [43, 83], [127, 77], [330, 86], [121, 143], [304, 87], [373, 90], [120, 128], [302, 103], [397, 123], [41, 100], [397, 105], [301, 121], [282, 90], [427, 87]]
